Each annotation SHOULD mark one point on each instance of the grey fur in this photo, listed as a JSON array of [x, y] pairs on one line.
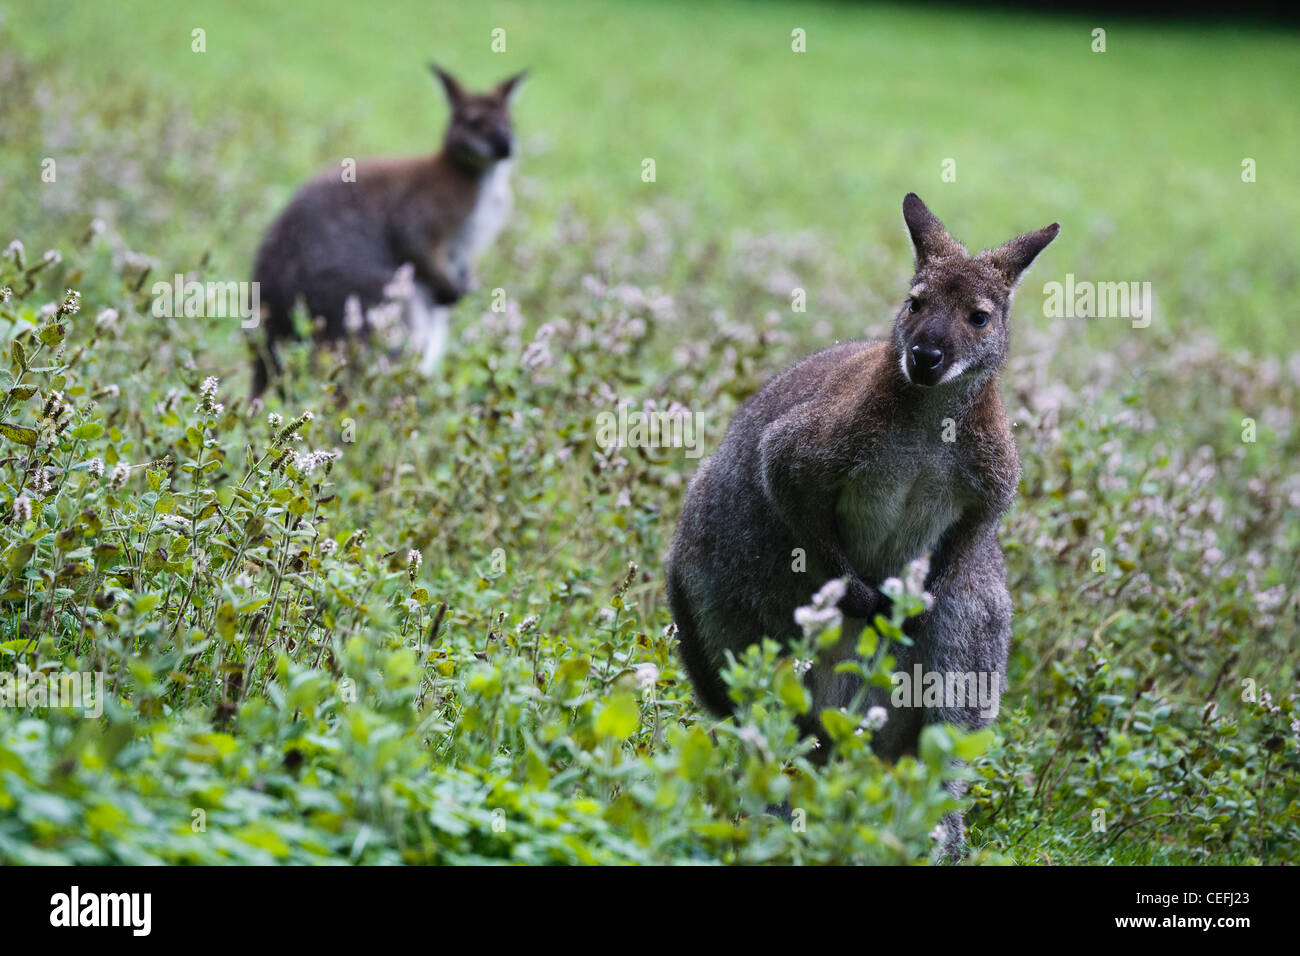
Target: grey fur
[[842, 456]]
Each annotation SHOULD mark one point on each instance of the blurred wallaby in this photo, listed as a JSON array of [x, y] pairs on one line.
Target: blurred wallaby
[[346, 233], [854, 462]]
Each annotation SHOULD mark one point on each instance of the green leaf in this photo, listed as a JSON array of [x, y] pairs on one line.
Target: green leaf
[[18, 433], [226, 620], [970, 746], [791, 689], [53, 333], [840, 726], [695, 754], [619, 718], [88, 431], [936, 745]]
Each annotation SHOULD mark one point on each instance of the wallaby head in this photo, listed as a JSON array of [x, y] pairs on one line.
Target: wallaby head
[[954, 325], [480, 132]]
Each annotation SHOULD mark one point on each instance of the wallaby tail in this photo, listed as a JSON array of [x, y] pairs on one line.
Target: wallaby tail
[[710, 688]]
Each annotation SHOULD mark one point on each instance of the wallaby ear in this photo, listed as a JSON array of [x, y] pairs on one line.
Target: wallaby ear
[[929, 238], [455, 92], [1014, 256], [507, 89]]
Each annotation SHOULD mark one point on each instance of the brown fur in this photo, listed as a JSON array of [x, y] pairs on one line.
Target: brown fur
[[339, 239]]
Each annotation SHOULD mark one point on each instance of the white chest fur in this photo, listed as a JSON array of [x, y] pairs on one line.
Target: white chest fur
[[490, 213], [893, 511]]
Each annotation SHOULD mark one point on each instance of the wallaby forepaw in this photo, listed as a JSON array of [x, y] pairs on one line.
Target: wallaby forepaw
[[863, 601]]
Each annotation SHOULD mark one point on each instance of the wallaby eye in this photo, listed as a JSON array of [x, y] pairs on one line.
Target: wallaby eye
[[913, 305], [979, 319]]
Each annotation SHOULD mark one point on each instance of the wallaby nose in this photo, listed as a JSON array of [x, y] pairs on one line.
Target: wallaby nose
[[927, 357]]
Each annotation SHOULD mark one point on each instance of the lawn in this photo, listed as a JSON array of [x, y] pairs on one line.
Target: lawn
[[282, 670]]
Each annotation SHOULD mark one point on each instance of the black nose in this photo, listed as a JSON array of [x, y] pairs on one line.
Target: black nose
[[503, 145], [926, 357]]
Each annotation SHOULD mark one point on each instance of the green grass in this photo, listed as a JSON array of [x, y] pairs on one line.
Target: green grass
[[336, 705], [1137, 151]]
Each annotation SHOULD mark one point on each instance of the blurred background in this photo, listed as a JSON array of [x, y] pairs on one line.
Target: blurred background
[[1137, 150]]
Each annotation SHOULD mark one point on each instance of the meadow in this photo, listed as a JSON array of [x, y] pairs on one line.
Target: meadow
[[390, 619]]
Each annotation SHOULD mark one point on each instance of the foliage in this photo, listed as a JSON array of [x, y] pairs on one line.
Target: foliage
[[410, 620]]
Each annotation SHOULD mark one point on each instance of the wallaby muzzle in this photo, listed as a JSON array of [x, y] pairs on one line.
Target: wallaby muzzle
[[925, 364], [926, 359], [502, 144]]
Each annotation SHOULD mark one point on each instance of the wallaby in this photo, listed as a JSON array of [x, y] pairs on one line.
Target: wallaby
[[860, 459], [345, 234]]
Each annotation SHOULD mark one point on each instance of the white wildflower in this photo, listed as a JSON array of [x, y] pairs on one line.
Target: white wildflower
[[831, 593], [537, 356], [21, 510], [71, 302], [823, 612], [354, 320], [402, 285]]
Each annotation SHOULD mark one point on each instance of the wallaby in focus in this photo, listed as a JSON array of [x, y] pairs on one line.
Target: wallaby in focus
[[843, 459], [343, 237]]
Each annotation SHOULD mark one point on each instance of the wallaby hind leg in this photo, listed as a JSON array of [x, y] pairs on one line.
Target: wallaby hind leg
[[829, 690], [429, 324], [710, 688], [955, 847]]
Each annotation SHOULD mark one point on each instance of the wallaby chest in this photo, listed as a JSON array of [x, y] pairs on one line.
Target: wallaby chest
[[486, 217], [896, 505]]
